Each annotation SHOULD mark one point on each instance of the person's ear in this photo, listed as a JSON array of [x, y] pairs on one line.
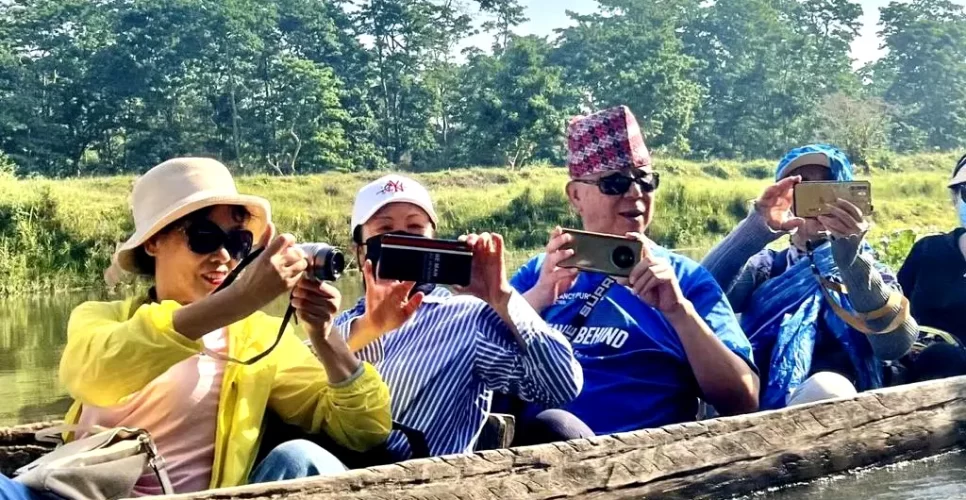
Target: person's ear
[[151, 246], [574, 195]]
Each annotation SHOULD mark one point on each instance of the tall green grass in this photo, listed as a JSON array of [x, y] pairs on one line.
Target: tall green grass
[[57, 235]]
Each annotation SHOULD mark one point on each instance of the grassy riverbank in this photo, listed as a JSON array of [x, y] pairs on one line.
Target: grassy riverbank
[[58, 234]]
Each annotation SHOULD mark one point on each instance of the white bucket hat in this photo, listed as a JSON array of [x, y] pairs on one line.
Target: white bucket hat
[[177, 188], [388, 189]]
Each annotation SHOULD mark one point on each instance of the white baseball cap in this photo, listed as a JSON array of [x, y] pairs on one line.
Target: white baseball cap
[[392, 188]]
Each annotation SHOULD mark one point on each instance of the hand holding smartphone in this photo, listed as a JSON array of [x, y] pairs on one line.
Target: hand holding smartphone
[[422, 260], [812, 199], [602, 253]]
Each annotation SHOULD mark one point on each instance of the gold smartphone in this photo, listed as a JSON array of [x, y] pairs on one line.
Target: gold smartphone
[[602, 253], [811, 198]]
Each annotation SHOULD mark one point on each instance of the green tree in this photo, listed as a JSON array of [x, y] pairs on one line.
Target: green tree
[[767, 64], [926, 70], [515, 104], [323, 32], [505, 15], [632, 53], [61, 105], [409, 38], [305, 118], [858, 126]]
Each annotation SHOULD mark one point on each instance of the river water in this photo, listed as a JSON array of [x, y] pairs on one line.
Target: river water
[[33, 332], [939, 478]]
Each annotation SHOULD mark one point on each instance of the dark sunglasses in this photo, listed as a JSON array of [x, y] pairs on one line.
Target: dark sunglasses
[[618, 184], [205, 237]]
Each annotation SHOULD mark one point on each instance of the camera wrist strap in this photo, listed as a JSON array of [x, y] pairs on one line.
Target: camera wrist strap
[[289, 313]]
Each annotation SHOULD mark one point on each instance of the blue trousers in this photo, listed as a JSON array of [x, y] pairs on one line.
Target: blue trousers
[[295, 459], [12, 490], [550, 426], [290, 460]]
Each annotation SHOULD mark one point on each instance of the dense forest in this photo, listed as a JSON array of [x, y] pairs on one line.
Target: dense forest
[[92, 87]]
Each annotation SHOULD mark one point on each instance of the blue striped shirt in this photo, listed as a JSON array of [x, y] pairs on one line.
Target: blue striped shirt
[[443, 365]]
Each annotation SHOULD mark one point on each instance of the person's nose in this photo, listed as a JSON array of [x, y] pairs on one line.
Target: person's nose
[[221, 255], [635, 192]]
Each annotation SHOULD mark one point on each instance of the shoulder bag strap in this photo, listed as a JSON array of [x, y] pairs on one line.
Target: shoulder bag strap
[[55, 434], [156, 462], [860, 321]]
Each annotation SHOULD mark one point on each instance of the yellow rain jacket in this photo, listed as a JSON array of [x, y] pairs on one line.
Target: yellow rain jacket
[[113, 351]]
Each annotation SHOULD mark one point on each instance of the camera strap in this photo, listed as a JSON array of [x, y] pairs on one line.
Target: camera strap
[[592, 302], [289, 314]]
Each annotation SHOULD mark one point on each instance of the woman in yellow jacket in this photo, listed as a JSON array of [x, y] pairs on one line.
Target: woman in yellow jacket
[[170, 363]]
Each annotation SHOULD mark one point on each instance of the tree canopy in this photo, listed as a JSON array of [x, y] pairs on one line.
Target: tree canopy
[[295, 86]]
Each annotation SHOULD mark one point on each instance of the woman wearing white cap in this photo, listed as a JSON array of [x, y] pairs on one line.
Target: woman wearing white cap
[[444, 355], [169, 363]]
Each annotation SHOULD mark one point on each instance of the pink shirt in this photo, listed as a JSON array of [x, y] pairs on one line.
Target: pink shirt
[[180, 410]]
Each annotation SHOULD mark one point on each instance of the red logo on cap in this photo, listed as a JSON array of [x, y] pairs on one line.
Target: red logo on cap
[[392, 187]]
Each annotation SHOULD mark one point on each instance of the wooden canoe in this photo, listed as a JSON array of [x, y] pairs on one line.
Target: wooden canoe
[[709, 459]]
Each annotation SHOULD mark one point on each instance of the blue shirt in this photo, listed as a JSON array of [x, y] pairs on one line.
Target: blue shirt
[[444, 363], [636, 372]]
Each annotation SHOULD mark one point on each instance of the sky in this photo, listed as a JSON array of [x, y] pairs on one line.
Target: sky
[[547, 15]]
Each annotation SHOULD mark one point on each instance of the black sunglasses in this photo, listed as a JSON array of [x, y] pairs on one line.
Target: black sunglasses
[[618, 184], [205, 237]]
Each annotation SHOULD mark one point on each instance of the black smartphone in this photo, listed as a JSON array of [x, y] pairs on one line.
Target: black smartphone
[[423, 260]]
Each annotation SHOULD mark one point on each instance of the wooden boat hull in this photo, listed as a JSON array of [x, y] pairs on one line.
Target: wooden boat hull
[[709, 459]]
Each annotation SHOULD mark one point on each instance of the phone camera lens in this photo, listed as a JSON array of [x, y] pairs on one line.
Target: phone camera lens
[[623, 257]]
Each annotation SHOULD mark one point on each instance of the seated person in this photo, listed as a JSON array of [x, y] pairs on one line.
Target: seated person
[[166, 363], [653, 344], [933, 277], [441, 354], [934, 274], [795, 332]]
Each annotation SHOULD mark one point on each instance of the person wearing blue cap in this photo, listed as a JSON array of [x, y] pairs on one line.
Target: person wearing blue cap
[[823, 314]]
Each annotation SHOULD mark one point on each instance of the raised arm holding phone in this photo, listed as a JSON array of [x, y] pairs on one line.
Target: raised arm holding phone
[[827, 251], [444, 354], [654, 332]]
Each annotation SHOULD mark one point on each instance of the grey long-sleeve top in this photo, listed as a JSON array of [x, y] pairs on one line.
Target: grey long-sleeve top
[[736, 264]]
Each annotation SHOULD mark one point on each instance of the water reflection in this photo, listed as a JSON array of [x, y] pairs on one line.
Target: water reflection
[[32, 334], [942, 477]]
